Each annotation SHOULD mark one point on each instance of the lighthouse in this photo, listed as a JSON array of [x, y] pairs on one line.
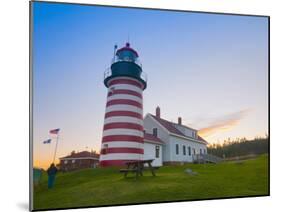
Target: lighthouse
[[123, 133]]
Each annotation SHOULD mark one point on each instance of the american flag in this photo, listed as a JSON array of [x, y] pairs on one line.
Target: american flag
[[54, 131], [47, 141]]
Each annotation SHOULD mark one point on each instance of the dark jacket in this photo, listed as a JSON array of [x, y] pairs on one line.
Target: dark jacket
[[52, 170]]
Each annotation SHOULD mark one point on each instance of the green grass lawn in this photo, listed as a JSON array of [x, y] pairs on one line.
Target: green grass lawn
[[106, 186]]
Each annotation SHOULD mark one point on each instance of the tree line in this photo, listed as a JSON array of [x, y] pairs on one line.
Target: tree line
[[240, 147]]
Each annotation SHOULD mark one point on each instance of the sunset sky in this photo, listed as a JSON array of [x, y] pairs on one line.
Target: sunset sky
[[210, 69]]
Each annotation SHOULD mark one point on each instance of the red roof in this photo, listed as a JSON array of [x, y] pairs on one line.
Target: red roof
[[84, 154], [152, 138], [172, 129], [168, 125]]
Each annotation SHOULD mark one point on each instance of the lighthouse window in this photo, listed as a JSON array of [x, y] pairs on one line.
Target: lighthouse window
[[104, 149], [157, 149], [127, 58]]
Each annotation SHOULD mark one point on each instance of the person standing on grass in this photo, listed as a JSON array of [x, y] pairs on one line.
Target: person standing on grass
[[52, 171]]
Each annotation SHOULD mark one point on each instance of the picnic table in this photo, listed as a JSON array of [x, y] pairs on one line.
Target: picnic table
[[138, 167]]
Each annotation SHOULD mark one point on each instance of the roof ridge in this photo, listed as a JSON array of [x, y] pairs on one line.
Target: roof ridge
[[183, 125], [82, 154]]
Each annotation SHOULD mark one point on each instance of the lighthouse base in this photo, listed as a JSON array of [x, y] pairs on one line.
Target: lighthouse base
[[109, 163]]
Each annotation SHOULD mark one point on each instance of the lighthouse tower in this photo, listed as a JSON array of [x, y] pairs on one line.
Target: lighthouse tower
[[122, 139]]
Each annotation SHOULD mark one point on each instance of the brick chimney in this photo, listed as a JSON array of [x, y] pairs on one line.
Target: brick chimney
[[158, 112], [179, 120]]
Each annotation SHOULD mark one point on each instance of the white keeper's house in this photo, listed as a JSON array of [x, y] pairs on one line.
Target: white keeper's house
[[176, 143]]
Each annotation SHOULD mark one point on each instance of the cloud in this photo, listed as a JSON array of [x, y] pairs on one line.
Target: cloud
[[224, 123]]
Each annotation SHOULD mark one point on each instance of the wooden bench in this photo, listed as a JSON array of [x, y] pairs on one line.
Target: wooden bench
[[126, 171], [138, 167]]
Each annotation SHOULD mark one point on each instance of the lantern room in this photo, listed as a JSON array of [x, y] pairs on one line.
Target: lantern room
[[127, 54], [125, 64]]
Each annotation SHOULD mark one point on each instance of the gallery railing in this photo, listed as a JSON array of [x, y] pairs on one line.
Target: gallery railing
[[108, 73]]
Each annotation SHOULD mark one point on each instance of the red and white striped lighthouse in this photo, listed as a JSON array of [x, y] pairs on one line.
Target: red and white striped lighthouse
[[122, 139]]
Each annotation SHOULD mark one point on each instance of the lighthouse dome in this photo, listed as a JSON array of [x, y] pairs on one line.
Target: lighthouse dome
[[126, 53]]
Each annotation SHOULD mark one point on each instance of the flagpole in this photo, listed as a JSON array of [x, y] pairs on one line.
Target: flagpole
[[56, 148]]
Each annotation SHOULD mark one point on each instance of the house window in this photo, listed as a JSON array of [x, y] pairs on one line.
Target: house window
[[177, 149], [157, 149], [73, 161], [189, 150], [184, 150], [193, 151], [200, 151], [65, 162], [205, 151], [193, 134], [155, 132]]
